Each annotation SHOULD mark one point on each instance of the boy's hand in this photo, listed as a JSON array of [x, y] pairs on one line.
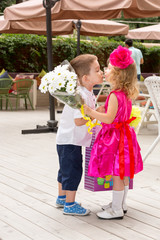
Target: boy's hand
[[87, 110], [101, 109]]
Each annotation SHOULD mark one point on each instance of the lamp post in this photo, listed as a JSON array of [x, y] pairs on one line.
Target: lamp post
[[52, 123]]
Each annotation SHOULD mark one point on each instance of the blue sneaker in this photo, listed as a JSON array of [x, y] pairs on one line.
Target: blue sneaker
[[60, 202], [75, 210]]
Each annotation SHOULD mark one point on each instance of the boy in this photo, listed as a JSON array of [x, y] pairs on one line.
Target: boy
[[73, 134]]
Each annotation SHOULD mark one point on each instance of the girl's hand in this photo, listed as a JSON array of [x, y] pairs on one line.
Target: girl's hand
[[101, 109], [87, 110]]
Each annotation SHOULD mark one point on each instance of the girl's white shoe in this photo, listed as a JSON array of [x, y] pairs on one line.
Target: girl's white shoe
[[109, 213], [125, 208]]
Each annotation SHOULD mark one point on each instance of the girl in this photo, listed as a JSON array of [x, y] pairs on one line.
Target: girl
[[116, 151]]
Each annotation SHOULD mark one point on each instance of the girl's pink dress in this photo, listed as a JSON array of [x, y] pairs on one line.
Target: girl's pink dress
[[105, 156]]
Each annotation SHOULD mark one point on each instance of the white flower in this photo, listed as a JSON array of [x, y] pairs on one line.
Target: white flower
[[60, 79], [60, 83], [70, 90], [43, 87], [44, 79], [71, 83], [52, 87], [59, 69], [48, 78], [51, 77], [72, 76]]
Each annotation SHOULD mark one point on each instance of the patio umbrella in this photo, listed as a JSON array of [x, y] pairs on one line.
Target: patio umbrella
[[66, 9], [62, 27], [33, 27], [149, 33], [142, 9], [66, 26]]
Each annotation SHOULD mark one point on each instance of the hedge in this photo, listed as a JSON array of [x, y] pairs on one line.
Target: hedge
[[28, 53]]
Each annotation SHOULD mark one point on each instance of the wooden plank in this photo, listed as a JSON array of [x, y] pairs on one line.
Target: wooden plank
[[30, 182], [138, 213], [55, 214], [33, 165], [135, 219], [149, 220], [28, 190], [115, 227], [148, 193], [154, 202], [29, 171], [9, 233], [40, 220], [25, 226]]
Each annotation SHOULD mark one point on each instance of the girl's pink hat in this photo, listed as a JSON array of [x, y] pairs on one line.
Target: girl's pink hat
[[121, 57]]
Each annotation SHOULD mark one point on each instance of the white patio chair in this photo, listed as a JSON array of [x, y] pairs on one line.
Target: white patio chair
[[153, 86], [146, 112]]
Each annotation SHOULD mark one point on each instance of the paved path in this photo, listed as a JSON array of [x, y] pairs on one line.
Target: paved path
[[28, 189]]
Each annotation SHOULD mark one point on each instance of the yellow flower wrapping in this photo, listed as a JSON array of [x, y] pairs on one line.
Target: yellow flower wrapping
[[135, 113], [89, 124]]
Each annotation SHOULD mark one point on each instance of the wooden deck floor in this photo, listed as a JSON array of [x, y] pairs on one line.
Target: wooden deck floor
[[28, 189]]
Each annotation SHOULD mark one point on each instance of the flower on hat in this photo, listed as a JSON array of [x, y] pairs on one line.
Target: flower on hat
[[121, 57]]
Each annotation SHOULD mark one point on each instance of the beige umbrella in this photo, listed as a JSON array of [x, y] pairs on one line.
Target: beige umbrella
[[66, 9], [61, 27], [58, 27], [142, 9], [32, 27], [102, 28], [149, 32], [66, 26]]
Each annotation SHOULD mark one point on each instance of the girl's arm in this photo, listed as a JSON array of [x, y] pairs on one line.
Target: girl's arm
[[105, 117]]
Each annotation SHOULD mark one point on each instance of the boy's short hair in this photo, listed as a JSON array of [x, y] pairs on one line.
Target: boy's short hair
[[129, 42], [82, 64]]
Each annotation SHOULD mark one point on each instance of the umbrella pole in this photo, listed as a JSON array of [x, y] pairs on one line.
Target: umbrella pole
[[49, 4], [52, 123], [78, 26]]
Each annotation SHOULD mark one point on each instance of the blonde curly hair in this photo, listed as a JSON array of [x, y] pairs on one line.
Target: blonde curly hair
[[125, 80]]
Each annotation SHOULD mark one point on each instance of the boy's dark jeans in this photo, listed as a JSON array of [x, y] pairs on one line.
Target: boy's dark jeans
[[70, 171]]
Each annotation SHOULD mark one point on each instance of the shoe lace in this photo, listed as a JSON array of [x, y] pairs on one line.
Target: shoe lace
[[79, 207]]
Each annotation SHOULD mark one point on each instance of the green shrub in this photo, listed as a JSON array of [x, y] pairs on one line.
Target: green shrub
[[152, 60], [23, 52], [28, 53]]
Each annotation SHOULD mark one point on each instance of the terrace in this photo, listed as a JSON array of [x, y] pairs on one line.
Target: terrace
[[28, 189]]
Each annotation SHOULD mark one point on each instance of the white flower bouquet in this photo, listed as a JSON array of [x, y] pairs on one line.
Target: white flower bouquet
[[62, 84]]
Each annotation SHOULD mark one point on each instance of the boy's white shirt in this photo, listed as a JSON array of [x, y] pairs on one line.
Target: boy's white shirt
[[68, 132]]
